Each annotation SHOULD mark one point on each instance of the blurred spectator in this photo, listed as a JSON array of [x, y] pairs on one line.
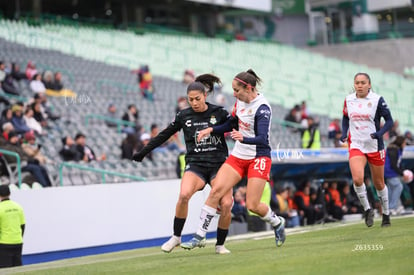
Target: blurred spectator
[[6, 116], [7, 128], [189, 76], [239, 211], [8, 86], [30, 70], [57, 82], [304, 110], [87, 154], [182, 104], [69, 151], [129, 146], [172, 144], [28, 164], [16, 73], [145, 82], [48, 80], [36, 85], [305, 208], [2, 71], [395, 130], [38, 114], [280, 205], [111, 114], [350, 202], [333, 201], [293, 117], [393, 173], [311, 137], [18, 121], [409, 139], [31, 122], [334, 132], [32, 149], [131, 115]]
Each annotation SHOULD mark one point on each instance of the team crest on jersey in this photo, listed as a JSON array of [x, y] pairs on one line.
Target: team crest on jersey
[[250, 112], [213, 120], [369, 105]]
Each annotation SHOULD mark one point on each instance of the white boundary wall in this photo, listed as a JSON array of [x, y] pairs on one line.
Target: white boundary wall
[[72, 217]]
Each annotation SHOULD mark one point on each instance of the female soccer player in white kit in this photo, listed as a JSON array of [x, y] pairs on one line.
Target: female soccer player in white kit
[[251, 157], [362, 113]]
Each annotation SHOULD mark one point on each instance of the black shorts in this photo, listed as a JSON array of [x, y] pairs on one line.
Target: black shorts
[[207, 174], [10, 255]]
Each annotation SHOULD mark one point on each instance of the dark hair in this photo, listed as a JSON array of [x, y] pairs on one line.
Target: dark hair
[[364, 74], [398, 141], [4, 190], [248, 78], [202, 82]]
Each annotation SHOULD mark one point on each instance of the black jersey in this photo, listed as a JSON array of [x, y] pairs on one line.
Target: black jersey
[[211, 150]]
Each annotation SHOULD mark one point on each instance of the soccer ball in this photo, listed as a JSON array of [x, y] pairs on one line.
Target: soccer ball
[[409, 174]]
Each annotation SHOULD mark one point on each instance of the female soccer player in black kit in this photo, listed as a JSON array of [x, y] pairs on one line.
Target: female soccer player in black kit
[[203, 159]]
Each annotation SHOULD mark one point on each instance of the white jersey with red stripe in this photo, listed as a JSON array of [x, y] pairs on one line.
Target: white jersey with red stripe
[[364, 119], [254, 124]]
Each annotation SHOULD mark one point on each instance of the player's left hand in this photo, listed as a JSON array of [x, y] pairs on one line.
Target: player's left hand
[[374, 136], [138, 157], [236, 135]]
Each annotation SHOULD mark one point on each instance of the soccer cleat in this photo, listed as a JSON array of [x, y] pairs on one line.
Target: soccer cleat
[[221, 249], [169, 245], [196, 241], [369, 217], [385, 220], [280, 235]]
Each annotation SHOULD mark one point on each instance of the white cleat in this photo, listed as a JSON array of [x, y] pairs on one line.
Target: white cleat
[[169, 245], [221, 249]]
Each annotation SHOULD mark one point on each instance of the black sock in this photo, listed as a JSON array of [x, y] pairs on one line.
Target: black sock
[[178, 226], [221, 236]]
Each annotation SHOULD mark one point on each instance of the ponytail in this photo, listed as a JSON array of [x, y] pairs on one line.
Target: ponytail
[[204, 81], [248, 78]]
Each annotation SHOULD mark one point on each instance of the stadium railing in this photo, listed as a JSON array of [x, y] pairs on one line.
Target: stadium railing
[[18, 167], [103, 172], [119, 122]]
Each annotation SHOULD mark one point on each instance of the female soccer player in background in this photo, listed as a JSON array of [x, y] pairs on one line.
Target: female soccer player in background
[[250, 157], [361, 116], [203, 158]]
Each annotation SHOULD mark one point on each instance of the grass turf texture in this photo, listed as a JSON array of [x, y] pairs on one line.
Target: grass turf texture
[[325, 249]]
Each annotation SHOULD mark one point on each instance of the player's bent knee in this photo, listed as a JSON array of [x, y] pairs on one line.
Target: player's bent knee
[[184, 198]]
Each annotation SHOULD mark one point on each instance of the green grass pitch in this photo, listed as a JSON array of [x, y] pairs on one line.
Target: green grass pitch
[[322, 249]]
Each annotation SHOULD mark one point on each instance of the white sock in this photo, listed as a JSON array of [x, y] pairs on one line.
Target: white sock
[[361, 192], [207, 214], [383, 196], [271, 218]]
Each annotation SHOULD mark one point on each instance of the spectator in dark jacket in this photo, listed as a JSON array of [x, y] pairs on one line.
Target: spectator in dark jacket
[[69, 152], [28, 164], [393, 172]]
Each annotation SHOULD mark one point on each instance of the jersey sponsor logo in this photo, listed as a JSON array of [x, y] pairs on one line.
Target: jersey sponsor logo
[[242, 111], [266, 113], [213, 120], [359, 117], [208, 143], [244, 125], [188, 123]]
